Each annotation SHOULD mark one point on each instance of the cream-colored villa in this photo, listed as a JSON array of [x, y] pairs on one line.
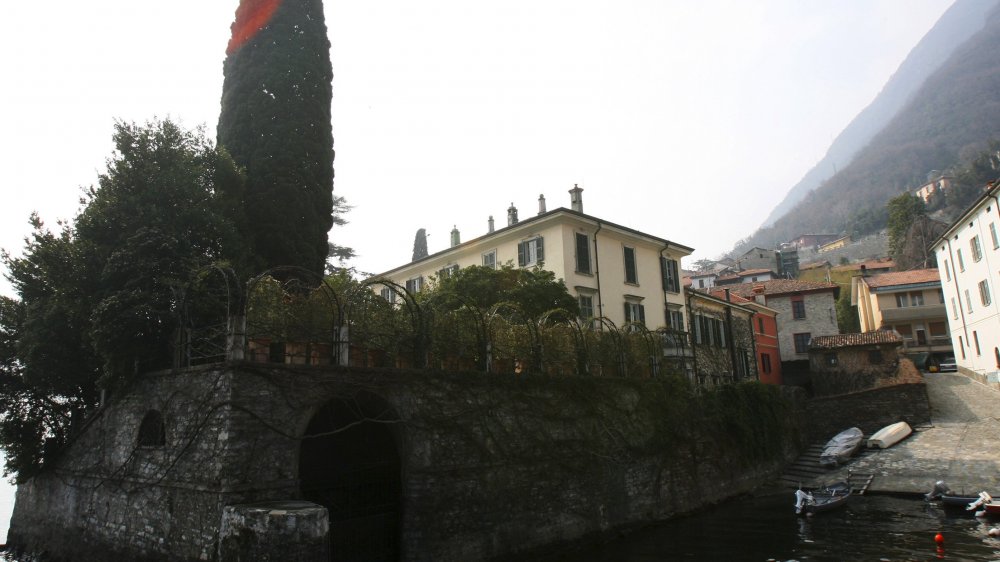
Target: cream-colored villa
[[614, 271]]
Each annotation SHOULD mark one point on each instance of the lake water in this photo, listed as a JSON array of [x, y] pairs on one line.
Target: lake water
[[869, 528]]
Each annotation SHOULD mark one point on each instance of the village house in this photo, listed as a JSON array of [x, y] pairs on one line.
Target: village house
[[722, 337], [936, 183], [851, 362], [758, 258], [765, 330], [747, 276], [968, 257], [804, 310], [614, 271], [911, 303]]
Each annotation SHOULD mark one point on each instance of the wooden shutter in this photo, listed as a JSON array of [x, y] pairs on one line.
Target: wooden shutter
[[540, 250], [582, 253], [642, 314], [521, 250]]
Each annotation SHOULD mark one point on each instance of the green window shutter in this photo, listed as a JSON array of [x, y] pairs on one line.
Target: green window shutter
[[642, 314], [521, 250], [541, 250], [582, 253]]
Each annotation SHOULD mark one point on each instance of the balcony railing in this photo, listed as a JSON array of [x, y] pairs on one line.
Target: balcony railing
[[909, 313]]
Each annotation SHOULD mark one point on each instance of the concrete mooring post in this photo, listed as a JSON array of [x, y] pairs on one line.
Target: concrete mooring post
[[274, 531]]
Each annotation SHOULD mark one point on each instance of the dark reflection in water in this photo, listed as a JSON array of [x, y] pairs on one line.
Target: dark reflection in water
[[869, 528]]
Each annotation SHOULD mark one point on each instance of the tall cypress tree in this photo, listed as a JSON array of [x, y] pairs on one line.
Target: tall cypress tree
[[275, 122]]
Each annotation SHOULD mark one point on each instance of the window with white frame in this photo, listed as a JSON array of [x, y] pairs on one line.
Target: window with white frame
[[984, 292], [968, 301], [993, 235], [947, 271], [961, 262], [635, 312], [671, 281], [490, 259], [977, 249], [531, 252], [586, 307], [954, 309], [414, 285], [448, 271], [388, 294], [675, 317]]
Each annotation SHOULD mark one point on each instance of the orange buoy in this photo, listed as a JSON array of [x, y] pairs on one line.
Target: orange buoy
[[939, 538]]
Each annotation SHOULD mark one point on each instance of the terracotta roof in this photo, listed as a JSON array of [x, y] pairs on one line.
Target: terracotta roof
[[733, 297], [904, 278], [781, 287], [878, 337]]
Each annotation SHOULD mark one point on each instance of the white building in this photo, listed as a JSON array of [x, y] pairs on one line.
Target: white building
[[968, 256], [613, 271]]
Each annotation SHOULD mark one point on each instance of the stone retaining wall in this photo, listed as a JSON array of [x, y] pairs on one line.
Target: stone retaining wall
[[869, 410], [492, 466]]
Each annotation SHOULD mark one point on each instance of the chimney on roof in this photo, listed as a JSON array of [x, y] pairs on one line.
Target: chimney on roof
[[511, 215], [541, 204], [729, 298], [576, 198], [456, 238], [490, 223], [864, 270]]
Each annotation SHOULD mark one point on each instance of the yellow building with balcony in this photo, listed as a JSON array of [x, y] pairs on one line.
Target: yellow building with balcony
[[909, 302]]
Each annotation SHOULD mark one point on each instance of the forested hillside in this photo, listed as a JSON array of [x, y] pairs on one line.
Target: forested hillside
[[946, 124], [962, 19]]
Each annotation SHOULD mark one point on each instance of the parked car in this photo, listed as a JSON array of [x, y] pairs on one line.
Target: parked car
[[948, 364]]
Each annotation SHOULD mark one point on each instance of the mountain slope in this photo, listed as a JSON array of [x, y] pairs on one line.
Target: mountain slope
[[955, 113], [962, 19]]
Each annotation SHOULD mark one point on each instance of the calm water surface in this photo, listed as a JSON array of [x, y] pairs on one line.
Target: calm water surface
[[874, 528]]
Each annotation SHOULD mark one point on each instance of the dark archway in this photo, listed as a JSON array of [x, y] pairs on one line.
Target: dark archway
[[349, 462]]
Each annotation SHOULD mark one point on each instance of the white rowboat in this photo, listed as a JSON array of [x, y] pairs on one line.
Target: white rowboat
[[889, 435]]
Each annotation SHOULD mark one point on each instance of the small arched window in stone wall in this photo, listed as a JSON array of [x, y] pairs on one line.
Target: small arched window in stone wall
[[152, 432]]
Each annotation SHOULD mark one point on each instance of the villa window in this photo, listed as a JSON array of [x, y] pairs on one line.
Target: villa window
[[414, 285], [582, 253], [586, 307], [765, 362], [984, 292], [947, 270], [993, 235], [490, 259], [975, 338], [530, 252], [675, 318], [635, 312], [968, 301], [388, 294], [671, 281], [961, 262], [631, 273], [447, 272]]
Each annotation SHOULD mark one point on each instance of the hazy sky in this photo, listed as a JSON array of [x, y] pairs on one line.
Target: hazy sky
[[688, 120]]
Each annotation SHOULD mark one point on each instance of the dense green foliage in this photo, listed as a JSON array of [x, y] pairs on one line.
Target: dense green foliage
[[534, 291], [902, 211], [949, 121], [847, 315], [276, 123], [97, 300]]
